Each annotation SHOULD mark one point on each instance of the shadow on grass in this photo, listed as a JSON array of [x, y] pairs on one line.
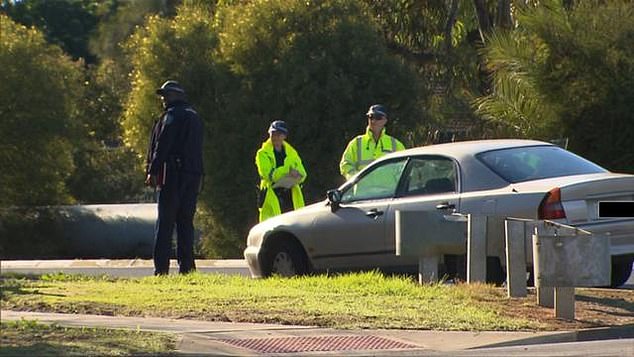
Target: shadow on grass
[[42, 349], [619, 303], [16, 284]]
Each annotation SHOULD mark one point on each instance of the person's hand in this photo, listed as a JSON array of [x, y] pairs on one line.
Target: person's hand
[[150, 180], [294, 173]]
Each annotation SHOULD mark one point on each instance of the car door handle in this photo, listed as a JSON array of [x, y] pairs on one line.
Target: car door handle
[[445, 205], [374, 213]]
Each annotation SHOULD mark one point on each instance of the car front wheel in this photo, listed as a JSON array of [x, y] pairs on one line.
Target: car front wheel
[[285, 259]]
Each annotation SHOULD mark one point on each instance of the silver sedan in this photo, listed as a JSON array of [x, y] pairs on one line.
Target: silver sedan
[[354, 228]]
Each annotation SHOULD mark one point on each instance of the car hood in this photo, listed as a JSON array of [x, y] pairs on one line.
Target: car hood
[[302, 216]]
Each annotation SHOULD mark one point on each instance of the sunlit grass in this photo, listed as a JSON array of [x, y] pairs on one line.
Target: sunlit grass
[[362, 300]]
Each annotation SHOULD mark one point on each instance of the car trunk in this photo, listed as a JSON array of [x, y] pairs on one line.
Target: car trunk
[[581, 194], [580, 197], [581, 200]]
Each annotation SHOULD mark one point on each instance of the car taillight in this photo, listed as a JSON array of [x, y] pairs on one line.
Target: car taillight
[[551, 207]]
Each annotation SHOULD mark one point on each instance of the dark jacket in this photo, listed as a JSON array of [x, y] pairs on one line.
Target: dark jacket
[[177, 139]]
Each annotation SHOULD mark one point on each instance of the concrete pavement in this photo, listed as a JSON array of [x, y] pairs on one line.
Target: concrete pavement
[[117, 267], [240, 339]]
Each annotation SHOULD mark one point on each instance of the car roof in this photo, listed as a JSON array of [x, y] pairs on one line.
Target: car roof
[[468, 148]]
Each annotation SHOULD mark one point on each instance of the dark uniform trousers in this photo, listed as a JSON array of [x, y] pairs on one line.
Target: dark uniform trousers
[[176, 207]]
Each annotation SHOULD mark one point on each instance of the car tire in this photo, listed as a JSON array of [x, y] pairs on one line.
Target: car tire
[[285, 259], [621, 270]]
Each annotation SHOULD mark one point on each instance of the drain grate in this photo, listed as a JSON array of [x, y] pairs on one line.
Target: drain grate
[[317, 343]]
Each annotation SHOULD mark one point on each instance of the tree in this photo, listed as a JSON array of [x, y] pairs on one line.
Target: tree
[[568, 71], [318, 66], [66, 23], [38, 108]]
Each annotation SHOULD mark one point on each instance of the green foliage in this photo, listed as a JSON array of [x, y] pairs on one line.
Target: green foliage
[[29, 233], [66, 23], [105, 170], [516, 102], [117, 22], [569, 72], [317, 66], [38, 107], [439, 39], [105, 175]]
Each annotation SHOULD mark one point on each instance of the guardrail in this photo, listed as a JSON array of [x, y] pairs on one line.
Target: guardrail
[[563, 257]]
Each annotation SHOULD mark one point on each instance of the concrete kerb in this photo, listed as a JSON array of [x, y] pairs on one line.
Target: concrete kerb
[[116, 267], [205, 336]]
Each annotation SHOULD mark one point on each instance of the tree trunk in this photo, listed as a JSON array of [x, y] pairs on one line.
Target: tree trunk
[[503, 16], [451, 21], [484, 17]]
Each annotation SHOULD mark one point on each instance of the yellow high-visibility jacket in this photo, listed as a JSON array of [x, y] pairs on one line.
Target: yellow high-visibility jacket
[[363, 149], [269, 174]]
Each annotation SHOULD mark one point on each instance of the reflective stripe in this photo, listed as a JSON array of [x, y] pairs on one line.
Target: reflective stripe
[[360, 163], [359, 152]]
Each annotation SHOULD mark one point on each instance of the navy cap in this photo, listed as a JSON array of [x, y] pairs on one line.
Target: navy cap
[[377, 110], [170, 86], [278, 125]]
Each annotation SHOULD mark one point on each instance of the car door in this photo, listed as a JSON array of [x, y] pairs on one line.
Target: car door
[[429, 183], [352, 236]]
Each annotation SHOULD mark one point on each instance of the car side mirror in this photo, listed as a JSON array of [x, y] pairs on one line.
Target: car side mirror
[[334, 198]]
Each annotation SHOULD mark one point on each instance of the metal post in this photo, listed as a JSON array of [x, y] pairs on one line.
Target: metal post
[[545, 296], [515, 258], [565, 303], [428, 269], [476, 248]]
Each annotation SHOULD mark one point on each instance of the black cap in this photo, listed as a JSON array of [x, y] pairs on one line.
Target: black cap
[[278, 125], [170, 86], [377, 110]]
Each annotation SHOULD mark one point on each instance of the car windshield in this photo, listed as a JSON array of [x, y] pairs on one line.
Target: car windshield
[[536, 162]]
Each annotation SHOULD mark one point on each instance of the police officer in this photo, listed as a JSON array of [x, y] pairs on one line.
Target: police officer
[[281, 173], [175, 168], [364, 149]]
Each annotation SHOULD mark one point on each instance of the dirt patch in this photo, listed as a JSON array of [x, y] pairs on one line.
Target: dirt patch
[[593, 308]]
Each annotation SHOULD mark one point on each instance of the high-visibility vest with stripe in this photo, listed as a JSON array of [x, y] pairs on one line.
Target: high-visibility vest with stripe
[[270, 173], [363, 149]]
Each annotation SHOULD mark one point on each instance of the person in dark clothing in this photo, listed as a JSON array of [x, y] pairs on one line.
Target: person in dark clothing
[[174, 166]]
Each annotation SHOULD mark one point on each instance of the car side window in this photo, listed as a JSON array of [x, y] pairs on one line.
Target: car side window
[[379, 183], [428, 176]]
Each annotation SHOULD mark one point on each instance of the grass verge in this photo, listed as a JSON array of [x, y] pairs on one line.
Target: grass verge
[[30, 338], [362, 300]]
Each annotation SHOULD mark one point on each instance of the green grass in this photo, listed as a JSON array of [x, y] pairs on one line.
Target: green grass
[[363, 300], [30, 338]]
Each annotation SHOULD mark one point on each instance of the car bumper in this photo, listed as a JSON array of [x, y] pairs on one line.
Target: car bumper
[[251, 255]]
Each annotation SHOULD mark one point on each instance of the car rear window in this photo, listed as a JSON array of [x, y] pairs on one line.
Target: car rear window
[[536, 162]]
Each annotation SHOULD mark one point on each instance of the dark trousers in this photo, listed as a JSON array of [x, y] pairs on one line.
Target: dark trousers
[[285, 198], [176, 206]]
